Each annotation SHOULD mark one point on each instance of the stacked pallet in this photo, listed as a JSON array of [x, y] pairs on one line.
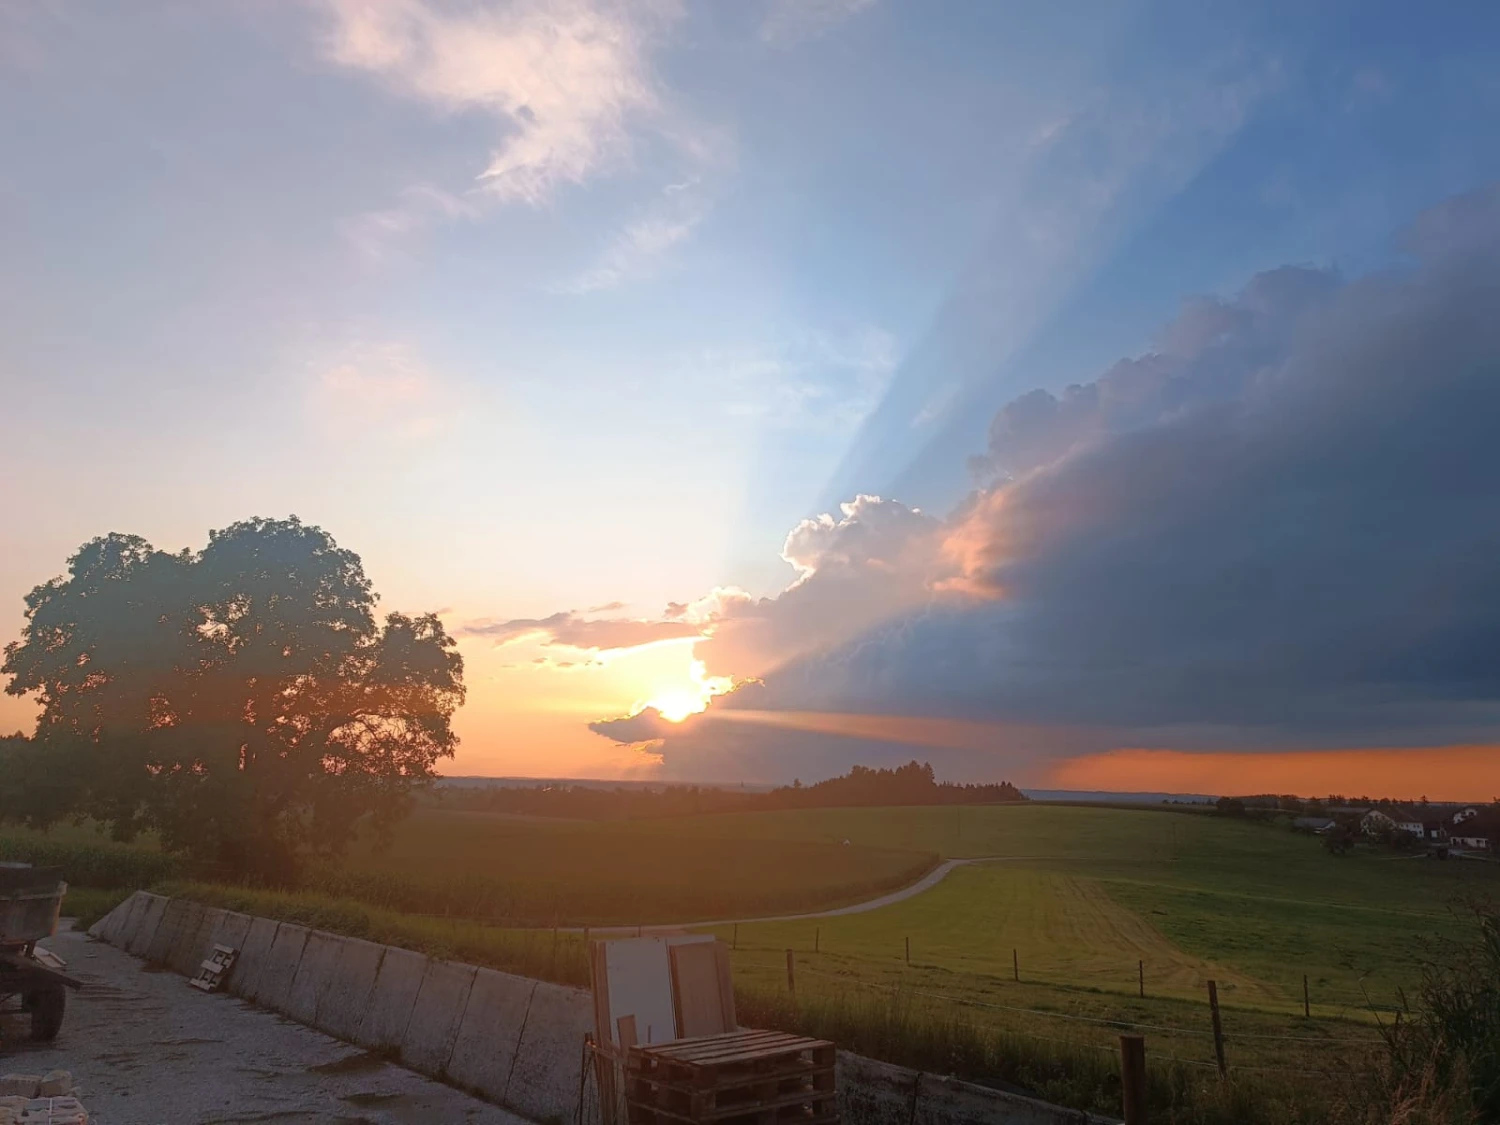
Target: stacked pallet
[[739, 1078]]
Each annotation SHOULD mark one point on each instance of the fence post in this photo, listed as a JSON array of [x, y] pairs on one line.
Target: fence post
[[817, 939], [1133, 1078], [1015, 964], [908, 950], [1306, 1000], [1213, 1005], [1140, 968], [736, 943], [791, 974]]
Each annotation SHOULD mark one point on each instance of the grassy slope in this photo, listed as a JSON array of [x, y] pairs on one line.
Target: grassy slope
[[1254, 897]]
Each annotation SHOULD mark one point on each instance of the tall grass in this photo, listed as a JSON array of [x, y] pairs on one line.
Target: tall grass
[[943, 1039], [1442, 1064]]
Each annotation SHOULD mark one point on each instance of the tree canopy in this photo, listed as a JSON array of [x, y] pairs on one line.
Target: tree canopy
[[241, 701]]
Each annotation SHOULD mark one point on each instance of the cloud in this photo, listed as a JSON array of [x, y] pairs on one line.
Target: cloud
[[1278, 528], [815, 380], [571, 629], [644, 726], [384, 390], [790, 22], [375, 233], [636, 252], [565, 78]]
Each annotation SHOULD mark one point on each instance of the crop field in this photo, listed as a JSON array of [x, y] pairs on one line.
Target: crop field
[[582, 872]]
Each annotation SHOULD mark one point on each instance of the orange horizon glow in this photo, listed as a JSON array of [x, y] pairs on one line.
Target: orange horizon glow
[[1440, 773]]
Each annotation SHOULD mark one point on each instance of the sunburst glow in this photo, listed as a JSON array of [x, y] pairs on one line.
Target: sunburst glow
[[676, 702]]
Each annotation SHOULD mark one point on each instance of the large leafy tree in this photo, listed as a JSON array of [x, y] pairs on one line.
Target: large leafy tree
[[242, 701]]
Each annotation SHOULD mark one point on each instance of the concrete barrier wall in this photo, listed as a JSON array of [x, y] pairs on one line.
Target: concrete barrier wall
[[877, 1093], [513, 1040], [516, 1041]]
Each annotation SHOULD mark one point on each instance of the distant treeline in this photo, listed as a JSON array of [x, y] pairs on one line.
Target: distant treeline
[[911, 784]]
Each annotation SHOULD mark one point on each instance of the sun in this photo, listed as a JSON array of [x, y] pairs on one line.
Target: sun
[[679, 701]]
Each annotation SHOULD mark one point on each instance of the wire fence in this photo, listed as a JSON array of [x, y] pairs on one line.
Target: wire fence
[[1126, 1026]]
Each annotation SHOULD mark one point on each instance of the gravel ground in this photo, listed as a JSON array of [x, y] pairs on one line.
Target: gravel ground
[[145, 1048]]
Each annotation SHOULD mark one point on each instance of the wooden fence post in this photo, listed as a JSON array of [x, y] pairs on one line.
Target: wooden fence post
[[1213, 1004], [817, 939], [791, 974], [736, 943], [1306, 999], [1133, 1078], [1015, 964], [908, 950], [1140, 968]]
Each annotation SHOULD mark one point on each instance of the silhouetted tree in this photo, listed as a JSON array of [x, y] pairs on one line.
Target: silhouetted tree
[[242, 701]]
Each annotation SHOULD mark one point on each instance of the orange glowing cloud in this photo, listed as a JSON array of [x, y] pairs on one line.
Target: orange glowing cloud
[[1443, 773]]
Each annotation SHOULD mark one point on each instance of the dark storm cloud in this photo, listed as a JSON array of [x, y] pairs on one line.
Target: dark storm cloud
[[1282, 526]]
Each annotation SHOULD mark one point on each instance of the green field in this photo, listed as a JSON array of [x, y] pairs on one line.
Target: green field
[[1083, 900], [1259, 904]]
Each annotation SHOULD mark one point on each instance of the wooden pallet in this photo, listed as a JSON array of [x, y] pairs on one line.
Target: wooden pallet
[[739, 1078]]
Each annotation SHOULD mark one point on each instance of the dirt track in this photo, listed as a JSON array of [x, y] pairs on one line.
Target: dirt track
[[147, 1049]]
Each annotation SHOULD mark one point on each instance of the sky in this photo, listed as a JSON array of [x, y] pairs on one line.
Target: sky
[[1077, 394]]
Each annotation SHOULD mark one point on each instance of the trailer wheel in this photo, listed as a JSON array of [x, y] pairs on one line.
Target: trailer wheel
[[47, 1005]]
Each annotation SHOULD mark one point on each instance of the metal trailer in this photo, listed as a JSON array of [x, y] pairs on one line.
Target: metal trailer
[[31, 980]]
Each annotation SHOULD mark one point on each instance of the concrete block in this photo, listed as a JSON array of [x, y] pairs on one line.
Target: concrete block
[[255, 958], [392, 1000], [116, 924], [275, 989], [189, 955], [230, 929], [484, 1051], [180, 954], [877, 1093], [350, 985], [544, 1082], [107, 929], [130, 921], [435, 1017], [144, 923], [155, 950], [314, 973]]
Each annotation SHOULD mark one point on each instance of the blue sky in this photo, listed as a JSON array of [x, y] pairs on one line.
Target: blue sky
[[548, 304]]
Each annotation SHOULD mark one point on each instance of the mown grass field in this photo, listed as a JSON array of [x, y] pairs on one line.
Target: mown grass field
[[1255, 902]]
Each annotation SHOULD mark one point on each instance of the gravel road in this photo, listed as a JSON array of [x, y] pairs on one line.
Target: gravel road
[[147, 1049]]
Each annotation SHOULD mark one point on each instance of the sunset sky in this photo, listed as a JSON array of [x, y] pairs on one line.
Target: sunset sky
[[1087, 395]]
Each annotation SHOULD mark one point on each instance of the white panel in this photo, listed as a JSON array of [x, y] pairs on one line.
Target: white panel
[[640, 985]]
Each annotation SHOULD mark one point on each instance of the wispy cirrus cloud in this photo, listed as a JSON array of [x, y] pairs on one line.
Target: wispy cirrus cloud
[[789, 22], [823, 380], [564, 78], [383, 389], [571, 629], [636, 252]]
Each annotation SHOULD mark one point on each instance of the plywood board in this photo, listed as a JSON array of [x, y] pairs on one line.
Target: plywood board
[[700, 1003]]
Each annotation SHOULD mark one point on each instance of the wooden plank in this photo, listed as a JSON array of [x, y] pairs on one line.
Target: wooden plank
[[696, 991], [804, 1071], [690, 1050]]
